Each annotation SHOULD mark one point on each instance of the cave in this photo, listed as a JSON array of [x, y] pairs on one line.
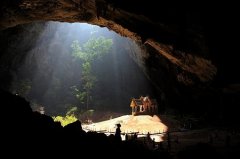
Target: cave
[[186, 52]]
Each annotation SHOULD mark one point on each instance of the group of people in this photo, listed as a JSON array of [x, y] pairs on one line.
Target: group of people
[[118, 134]]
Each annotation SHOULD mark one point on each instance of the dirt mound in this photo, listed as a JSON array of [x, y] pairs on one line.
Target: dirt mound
[[141, 124]]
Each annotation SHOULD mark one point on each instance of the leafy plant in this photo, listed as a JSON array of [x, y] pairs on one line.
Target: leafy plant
[[68, 119], [72, 111], [92, 50]]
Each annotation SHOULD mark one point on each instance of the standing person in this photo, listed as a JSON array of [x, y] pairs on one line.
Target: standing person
[[148, 136], [126, 137], [153, 143], [135, 136], [118, 133]]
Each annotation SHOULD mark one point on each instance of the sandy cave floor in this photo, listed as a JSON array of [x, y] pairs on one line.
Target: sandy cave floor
[[141, 124]]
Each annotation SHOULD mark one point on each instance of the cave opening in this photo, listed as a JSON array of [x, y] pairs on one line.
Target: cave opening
[[57, 72], [78, 71], [190, 68]]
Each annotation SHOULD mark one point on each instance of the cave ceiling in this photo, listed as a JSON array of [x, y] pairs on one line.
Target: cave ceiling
[[178, 32]]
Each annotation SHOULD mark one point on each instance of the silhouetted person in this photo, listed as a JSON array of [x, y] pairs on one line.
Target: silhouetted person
[[148, 136], [118, 133], [126, 137], [135, 136], [153, 143]]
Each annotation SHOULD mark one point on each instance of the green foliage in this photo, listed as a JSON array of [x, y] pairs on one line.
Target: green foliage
[[97, 47], [72, 111], [77, 50], [68, 119], [93, 49], [79, 95], [84, 116], [89, 112]]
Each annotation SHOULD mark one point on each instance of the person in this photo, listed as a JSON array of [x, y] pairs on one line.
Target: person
[[148, 136], [118, 133], [153, 143], [135, 136], [126, 137]]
